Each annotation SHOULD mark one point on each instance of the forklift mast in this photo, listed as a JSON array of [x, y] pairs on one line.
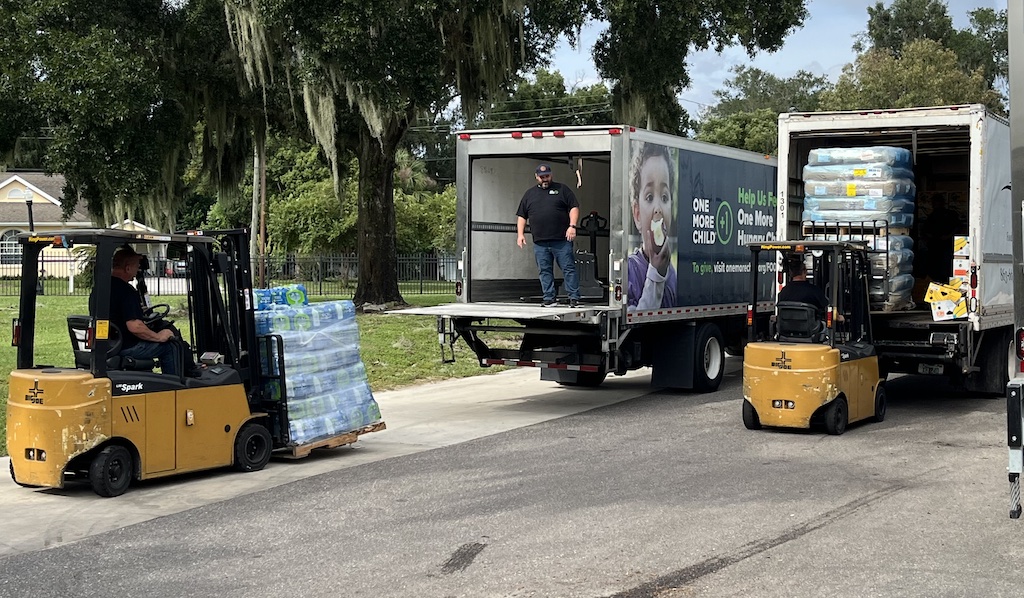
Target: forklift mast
[[222, 304]]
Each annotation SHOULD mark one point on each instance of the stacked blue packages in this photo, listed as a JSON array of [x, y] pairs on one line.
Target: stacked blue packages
[[327, 392]]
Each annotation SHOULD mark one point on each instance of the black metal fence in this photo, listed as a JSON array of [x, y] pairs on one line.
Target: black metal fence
[[323, 275]]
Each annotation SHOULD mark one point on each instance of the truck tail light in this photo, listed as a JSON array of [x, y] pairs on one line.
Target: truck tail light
[[750, 315], [1020, 343], [828, 318], [16, 332], [974, 276]]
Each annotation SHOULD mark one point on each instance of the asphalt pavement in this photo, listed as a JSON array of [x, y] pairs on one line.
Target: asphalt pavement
[[645, 493]]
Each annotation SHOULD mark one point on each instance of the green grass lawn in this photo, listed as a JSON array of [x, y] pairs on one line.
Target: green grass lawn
[[396, 350]]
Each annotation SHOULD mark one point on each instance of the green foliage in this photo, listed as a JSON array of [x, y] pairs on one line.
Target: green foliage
[[746, 115], [751, 89], [756, 130], [926, 74], [646, 45], [545, 101], [312, 222], [982, 45]]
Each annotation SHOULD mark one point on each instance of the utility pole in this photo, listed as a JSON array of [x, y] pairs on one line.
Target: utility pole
[[1015, 390]]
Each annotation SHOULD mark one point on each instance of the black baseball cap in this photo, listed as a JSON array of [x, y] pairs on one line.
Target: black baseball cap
[[543, 169]]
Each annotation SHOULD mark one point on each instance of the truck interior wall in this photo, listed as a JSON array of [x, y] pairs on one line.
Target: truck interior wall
[[500, 270], [941, 172]]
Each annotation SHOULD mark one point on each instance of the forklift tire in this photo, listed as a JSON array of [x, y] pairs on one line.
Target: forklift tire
[[709, 358], [253, 446], [111, 471], [11, 463], [837, 415], [881, 404], [750, 418]]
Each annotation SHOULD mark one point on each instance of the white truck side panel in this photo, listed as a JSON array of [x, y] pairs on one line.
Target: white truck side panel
[[990, 217]]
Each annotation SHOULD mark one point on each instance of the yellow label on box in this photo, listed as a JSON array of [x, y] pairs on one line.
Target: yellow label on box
[[851, 189], [961, 246], [860, 171]]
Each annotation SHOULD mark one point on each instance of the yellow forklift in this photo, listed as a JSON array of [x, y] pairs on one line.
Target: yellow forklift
[[109, 419], [804, 369]]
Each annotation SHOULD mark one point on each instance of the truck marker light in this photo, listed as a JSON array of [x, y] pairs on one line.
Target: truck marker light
[[615, 131], [517, 135], [537, 134], [559, 133], [464, 137]]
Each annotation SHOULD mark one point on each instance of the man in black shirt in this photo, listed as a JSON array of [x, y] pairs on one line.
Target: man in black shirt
[[552, 210], [137, 340], [799, 288]]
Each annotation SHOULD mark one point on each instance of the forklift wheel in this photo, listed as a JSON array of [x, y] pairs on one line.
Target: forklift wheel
[[881, 403], [750, 418], [11, 463], [111, 471], [252, 447], [836, 417]]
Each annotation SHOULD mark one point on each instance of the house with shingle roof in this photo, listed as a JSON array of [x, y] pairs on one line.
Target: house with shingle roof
[[17, 190]]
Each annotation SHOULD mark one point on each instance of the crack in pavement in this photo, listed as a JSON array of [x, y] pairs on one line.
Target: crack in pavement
[[706, 567]]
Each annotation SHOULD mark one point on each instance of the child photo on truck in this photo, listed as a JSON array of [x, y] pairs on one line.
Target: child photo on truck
[[652, 277]]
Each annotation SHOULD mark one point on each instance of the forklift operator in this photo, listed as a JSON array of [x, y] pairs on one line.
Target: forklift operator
[[137, 340], [799, 289]]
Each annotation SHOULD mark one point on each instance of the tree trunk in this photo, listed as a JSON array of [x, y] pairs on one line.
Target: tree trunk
[[378, 256]]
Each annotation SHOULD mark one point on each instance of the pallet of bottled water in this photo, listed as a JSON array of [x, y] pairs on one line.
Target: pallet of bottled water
[[323, 383]]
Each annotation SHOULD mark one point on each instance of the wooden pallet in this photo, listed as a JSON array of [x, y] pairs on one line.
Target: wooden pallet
[[299, 451]]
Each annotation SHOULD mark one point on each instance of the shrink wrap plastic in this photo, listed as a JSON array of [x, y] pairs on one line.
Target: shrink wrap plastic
[[327, 392]]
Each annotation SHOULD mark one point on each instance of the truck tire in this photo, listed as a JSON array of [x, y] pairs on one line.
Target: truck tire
[[111, 471], [709, 358], [997, 360]]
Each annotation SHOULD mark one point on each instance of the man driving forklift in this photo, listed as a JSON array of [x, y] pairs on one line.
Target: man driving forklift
[[138, 341]]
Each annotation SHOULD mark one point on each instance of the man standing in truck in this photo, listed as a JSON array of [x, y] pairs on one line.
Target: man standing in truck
[[552, 210]]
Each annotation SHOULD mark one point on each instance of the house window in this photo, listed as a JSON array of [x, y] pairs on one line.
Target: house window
[[10, 249]]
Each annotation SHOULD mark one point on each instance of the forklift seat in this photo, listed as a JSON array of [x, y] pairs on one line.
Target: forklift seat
[[78, 328], [799, 322]]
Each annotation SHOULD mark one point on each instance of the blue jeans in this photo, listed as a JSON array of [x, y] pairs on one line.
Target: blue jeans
[[167, 353], [548, 252]]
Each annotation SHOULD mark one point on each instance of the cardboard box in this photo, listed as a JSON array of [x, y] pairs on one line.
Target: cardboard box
[[940, 292], [949, 310], [961, 269], [961, 246]]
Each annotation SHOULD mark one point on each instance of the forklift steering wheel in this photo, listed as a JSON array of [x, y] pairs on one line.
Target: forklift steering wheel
[[155, 312]]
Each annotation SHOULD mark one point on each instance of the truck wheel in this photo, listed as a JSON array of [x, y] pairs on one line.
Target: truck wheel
[[111, 471], [750, 418], [881, 403], [997, 360], [709, 364], [836, 417], [252, 447], [11, 463]]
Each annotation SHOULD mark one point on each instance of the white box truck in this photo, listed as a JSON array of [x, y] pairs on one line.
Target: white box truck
[[718, 199], [960, 159]]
